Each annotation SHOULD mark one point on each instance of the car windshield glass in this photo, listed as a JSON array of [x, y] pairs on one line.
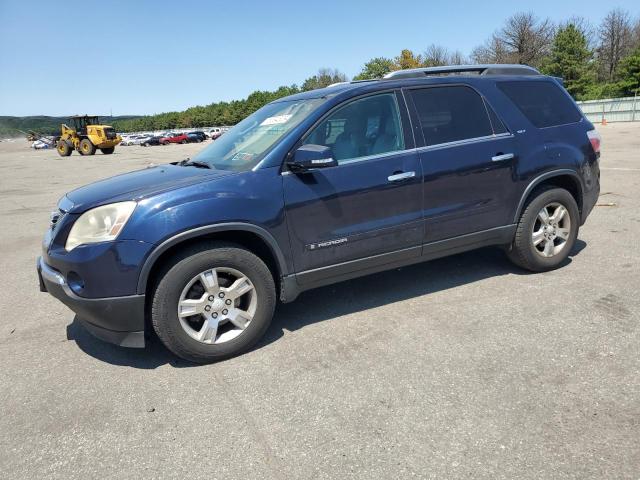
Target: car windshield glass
[[243, 146]]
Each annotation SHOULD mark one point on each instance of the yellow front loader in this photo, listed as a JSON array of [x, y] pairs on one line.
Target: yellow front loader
[[86, 135]]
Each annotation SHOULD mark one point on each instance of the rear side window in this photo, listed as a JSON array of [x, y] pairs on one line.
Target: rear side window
[[498, 126], [450, 114], [543, 103]]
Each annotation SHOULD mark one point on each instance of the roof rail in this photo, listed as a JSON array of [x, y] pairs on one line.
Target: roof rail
[[491, 69]]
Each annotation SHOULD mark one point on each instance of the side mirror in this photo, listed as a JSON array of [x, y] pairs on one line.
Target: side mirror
[[310, 157]]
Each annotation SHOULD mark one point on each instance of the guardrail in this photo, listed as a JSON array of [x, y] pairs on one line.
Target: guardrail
[[612, 110]]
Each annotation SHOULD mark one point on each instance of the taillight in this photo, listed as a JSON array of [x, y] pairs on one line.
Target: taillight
[[594, 138]]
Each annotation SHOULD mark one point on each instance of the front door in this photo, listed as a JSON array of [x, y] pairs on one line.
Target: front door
[[367, 207]]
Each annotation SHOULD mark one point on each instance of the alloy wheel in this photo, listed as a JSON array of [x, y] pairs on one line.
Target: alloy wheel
[[217, 305], [551, 229]]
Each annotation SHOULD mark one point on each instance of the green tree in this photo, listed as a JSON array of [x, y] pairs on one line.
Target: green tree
[[221, 113], [629, 73], [376, 68], [324, 78], [408, 59], [572, 59]]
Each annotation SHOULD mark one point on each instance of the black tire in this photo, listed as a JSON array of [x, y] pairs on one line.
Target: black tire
[[64, 148], [108, 151], [183, 142], [86, 147], [178, 273], [522, 251]]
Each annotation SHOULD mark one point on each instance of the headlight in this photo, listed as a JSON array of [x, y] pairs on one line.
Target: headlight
[[100, 224]]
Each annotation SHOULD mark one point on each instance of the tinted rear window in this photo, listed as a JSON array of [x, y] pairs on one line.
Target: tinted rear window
[[449, 114], [543, 103]]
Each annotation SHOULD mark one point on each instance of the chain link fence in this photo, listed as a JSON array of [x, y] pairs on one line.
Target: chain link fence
[[612, 109]]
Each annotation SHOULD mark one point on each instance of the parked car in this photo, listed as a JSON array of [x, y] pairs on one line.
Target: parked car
[[126, 139], [155, 140], [198, 136], [321, 187], [215, 133], [139, 139], [174, 138]]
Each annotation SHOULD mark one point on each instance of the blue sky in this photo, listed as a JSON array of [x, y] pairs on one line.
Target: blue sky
[[143, 57]]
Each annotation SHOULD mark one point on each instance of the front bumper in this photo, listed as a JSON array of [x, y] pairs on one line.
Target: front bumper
[[118, 320]]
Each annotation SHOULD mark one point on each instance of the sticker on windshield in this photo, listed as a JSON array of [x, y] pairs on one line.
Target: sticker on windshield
[[243, 157], [278, 119]]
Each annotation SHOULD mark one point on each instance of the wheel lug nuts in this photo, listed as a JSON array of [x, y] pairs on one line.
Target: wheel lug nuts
[[221, 294], [215, 315], [211, 298], [207, 308], [228, 302], [225, 311]]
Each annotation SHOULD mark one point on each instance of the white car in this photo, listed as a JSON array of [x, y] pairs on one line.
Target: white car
[[139, 139], [126, 140], [215, 133], [136, 139]]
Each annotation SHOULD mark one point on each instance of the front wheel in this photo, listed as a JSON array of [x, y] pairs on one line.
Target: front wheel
[[108, 151], [86, 147], [547, 231], [64, 148], [213, 301]]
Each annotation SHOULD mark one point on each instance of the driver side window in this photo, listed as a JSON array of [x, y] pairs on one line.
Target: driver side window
[[362, 128]]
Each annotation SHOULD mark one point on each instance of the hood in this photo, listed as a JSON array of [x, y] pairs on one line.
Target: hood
[[138, 185]]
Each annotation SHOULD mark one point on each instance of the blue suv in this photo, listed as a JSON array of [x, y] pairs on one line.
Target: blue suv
[[321, 187]]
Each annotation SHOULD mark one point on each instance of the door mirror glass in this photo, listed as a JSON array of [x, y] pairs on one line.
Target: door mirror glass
[[309, 157]]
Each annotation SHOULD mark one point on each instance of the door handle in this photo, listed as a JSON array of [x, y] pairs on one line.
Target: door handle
[[398, 177], [502, 157]]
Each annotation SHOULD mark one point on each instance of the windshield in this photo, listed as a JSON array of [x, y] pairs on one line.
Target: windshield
[[242, 147]]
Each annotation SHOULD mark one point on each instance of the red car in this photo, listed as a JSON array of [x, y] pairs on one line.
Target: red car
[[174, 138]]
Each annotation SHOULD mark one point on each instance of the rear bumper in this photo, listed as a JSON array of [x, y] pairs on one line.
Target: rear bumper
[[589, 201], [118, 320]]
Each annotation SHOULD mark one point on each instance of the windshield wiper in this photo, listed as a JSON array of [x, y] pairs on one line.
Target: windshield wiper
[[193, 163]]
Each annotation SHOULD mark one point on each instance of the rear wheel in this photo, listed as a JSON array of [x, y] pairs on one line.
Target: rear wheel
[[64, 149], [547, 230], [213, 301], [108, 151], [86, 147]]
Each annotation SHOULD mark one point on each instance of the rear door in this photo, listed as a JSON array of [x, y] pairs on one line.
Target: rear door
[[370, 204], [468, 159]]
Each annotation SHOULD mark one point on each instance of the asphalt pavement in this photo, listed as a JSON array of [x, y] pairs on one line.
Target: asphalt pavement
[[464, 367]]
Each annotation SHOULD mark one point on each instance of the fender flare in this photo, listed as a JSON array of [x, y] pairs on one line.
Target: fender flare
[[539, 179], [205, 230]]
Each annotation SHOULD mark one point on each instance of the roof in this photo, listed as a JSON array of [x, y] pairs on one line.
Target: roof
[[433, 73]]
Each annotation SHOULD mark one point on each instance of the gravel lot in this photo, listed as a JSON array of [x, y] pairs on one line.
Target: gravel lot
[[461, 367]]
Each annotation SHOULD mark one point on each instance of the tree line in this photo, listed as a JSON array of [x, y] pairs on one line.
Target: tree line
[[601, 61]]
